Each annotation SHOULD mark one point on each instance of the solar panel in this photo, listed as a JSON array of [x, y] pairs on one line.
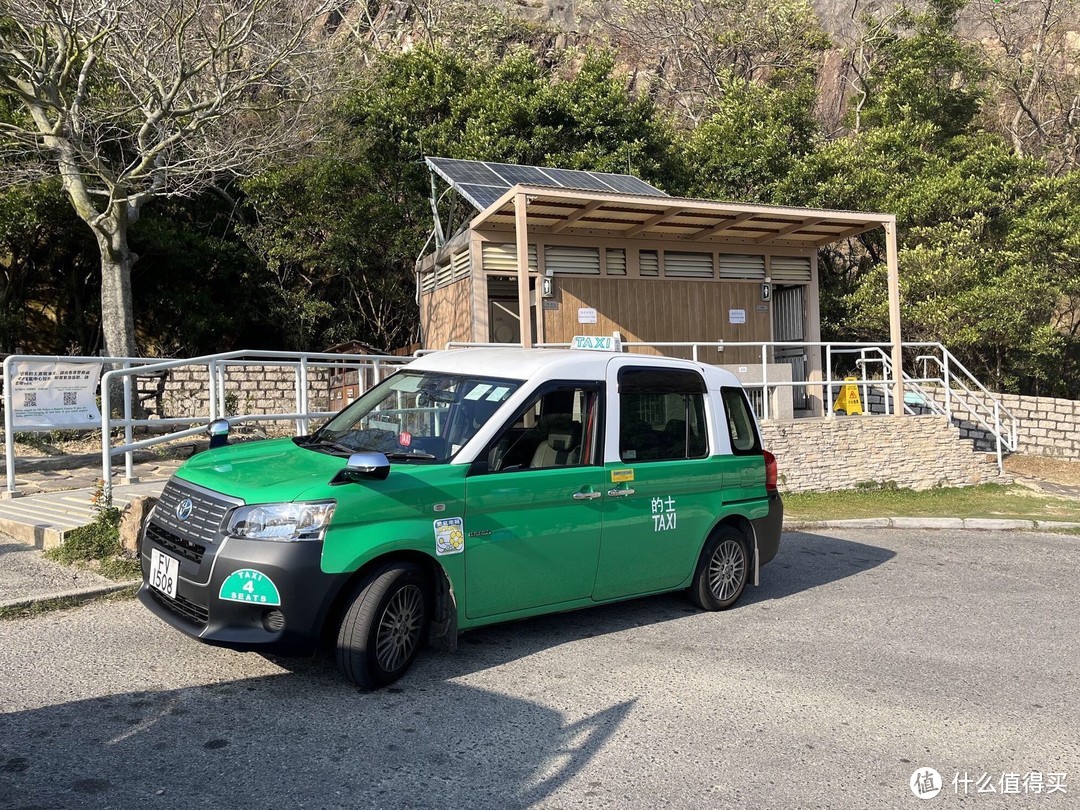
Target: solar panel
[[480, 196], [521, 174], [626, 183], [568, 178], [465, 171], [483, 183]]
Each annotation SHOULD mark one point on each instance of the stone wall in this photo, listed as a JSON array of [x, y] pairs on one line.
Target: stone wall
[[256, 390], [1046, 426], [917, 452]]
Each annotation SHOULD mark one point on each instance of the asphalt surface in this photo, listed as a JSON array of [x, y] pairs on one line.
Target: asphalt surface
[[26, 574], [865, 655]]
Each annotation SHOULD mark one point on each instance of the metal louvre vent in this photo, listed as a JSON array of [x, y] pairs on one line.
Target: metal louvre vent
[[578, 261], [503, 258], [790, 268], [615, 259], [460, 264], [207, 511], [737, 265], [427, 282], [688, 265], [649, 263], [443, 275]]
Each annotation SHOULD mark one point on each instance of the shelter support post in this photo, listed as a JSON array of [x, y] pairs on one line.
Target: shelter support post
[[521, 232], [894, 316]]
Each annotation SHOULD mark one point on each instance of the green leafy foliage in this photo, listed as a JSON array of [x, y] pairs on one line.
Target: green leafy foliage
[[340, 232], [710, 98]]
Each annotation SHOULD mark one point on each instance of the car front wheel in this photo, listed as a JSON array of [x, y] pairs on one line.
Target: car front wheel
[[384, 625]]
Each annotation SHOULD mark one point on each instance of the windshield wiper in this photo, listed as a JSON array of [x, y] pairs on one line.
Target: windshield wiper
[[330, 445], [414, 454]]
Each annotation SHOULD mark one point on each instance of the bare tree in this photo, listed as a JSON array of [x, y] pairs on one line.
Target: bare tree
[[698, 48], [1032, 49], [127, 100]]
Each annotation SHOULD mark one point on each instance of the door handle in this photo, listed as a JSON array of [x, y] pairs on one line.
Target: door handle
[[620, 493], [586, 496]]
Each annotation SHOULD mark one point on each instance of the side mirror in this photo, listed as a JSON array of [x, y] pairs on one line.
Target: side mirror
[[364, 465], [218, 430]]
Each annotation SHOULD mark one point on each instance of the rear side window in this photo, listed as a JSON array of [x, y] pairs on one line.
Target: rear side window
[[740, 422], [662, 415]]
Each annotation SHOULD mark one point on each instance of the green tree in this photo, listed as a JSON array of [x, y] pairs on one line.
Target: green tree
[[750, 143], [341, 232], [48, 283]]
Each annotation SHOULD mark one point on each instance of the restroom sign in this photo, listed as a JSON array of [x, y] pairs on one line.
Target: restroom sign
[[766, 291]]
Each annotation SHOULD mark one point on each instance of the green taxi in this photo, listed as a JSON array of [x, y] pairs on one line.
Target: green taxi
[[470, 487]]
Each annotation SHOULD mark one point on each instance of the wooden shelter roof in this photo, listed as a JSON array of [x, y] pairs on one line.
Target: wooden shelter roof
[[625, 216]]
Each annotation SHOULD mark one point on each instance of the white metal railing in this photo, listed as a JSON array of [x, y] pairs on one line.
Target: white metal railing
[[217, 366], [963, 397], [950, 389], [120, 380]]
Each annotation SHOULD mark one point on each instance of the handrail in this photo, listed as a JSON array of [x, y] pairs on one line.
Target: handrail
[[964, 396], [216, 366]]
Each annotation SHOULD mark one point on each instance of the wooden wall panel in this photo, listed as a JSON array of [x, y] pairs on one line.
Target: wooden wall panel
[[446, 314], [661, 310]]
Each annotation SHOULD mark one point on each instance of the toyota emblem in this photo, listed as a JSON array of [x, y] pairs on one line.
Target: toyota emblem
[[184, 509]]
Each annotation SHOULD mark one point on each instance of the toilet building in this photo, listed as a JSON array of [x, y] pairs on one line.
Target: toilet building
[[608, 252]]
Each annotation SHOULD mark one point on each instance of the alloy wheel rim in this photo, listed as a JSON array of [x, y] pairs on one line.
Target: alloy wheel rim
[[726, 570], [399, 628]]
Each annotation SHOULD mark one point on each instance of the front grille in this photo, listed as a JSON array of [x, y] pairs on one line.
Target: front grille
[[184, 608], [188, 549], [207, 510]]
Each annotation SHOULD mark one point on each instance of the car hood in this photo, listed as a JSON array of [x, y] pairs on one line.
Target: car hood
[[269, 471]]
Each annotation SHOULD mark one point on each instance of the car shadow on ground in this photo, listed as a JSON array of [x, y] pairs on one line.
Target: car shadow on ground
[[305, 737], [805, 561], [293, 740]]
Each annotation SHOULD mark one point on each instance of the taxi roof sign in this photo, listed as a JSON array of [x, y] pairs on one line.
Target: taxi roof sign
[[597, 343]]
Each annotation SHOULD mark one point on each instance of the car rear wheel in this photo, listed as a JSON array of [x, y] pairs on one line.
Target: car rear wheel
[[384, 625], [722, 570]]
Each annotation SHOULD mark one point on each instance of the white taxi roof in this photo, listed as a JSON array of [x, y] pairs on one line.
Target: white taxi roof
[[562, 364]]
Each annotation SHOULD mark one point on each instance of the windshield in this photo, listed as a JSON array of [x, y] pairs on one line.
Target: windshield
[[416, 416]]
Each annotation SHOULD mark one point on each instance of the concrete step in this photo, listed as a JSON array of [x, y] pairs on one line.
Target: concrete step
[[43, 520]]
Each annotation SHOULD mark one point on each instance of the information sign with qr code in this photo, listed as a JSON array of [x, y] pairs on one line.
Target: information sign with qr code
[[47, 395]]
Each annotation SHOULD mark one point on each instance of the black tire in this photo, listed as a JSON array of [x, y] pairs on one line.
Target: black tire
[[722, 571], [385, 625]]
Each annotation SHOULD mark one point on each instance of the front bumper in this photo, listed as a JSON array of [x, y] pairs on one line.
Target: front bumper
[[202, 611]]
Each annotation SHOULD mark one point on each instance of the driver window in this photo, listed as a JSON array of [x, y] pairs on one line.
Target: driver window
[[557, 428]]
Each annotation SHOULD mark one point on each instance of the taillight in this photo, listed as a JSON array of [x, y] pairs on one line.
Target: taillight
[[770, 471]]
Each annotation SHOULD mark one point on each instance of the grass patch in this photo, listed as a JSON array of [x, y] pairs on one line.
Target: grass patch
[[985, 501], [96, 547]]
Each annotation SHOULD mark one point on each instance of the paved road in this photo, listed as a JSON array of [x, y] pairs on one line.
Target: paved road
[[863, 656]]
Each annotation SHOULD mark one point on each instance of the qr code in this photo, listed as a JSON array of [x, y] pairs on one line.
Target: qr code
[[70, 397], [30, 399]]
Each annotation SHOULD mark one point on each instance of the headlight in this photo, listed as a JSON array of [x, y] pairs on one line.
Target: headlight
[[281, 521]]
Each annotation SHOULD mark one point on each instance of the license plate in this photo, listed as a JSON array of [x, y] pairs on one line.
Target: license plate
[[164, 571]]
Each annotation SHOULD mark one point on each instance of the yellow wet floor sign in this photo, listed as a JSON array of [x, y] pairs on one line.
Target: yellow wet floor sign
[[849, 400]]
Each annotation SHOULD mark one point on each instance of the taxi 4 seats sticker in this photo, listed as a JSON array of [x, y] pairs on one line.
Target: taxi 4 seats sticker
[[249, 585], [449, 536]]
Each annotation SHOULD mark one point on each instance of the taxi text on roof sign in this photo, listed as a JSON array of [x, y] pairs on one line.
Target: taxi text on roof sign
[[597, 343]]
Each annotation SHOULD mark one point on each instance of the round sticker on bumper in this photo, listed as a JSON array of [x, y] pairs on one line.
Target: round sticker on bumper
[[249, 585]]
